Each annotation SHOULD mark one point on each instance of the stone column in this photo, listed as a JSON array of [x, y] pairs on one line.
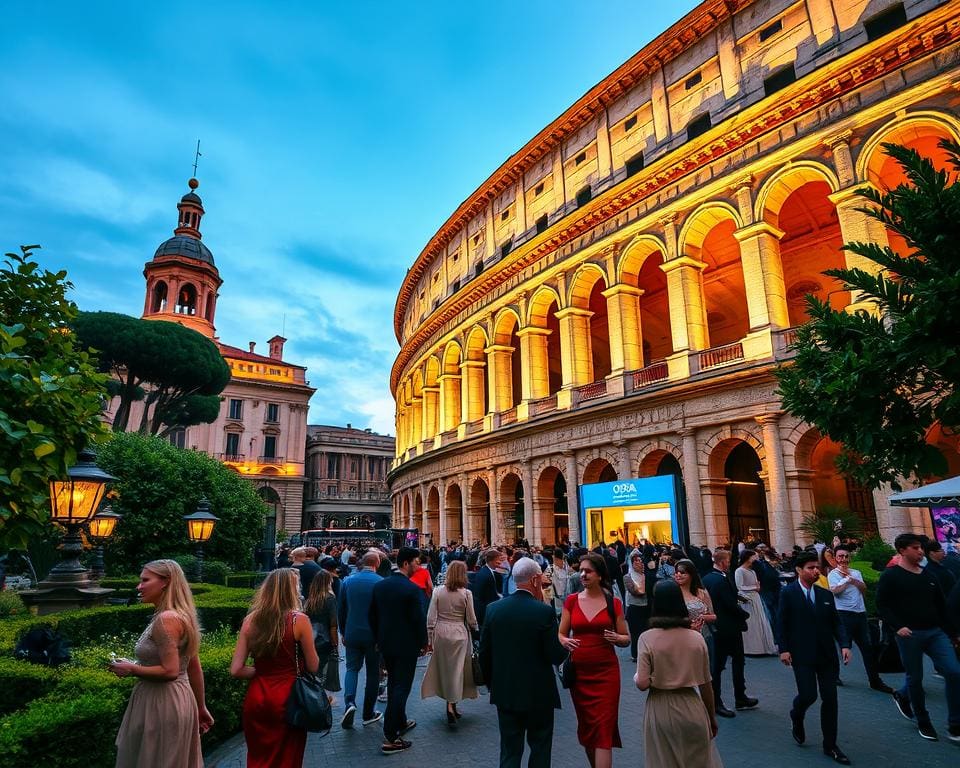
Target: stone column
[[535, 372], [688, 313], [623, 316], [431, 401], [691, 484], [783, 535], [449, 401], [497, 534], [625, 468], [856, 226], [466, 510], [500, 390], [713, 492], [892, 521], [573, 498], [575, 351], [471, 390], [531, 523], [763, 275]]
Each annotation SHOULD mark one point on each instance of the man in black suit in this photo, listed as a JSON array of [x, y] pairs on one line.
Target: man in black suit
[[399, 626], [807, 629], [518, 648], [729, 627], [484, 585]]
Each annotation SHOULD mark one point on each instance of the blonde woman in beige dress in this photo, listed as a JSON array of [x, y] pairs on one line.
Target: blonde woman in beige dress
[[450, 619], [167, 713], [679, 726]]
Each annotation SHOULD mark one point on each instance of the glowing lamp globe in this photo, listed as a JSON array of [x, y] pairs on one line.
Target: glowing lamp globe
[[73, 501], [201, 523], [101, 525]]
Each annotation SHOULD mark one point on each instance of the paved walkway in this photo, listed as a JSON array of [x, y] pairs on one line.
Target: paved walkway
[[871, 729]]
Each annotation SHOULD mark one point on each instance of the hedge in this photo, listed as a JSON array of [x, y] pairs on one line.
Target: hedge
[[70, 716]]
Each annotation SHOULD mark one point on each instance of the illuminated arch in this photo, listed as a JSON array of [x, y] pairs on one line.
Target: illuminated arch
[[635, 254], [784, 182], [452, 355], [902, 130], [701, 220], [538, 310], [584, 279]]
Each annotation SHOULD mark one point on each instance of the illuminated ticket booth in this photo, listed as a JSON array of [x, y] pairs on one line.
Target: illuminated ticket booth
[[637, 510]]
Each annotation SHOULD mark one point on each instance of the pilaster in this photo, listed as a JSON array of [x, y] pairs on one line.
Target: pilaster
[[688, 314], [623, 322], [763, 275]]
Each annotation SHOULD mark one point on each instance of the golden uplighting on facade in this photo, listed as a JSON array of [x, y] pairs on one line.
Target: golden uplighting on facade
[[611, 303]]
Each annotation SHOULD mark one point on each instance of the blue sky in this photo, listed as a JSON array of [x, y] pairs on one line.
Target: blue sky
[[336, 139]]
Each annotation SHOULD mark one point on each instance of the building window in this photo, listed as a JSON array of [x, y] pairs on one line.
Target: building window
[[885, 22], [541, 224], [584, 196], [635, 164], [779, 80], [477, 269], [178, 437], [273, 413], [581, 158], [236, 409], [629, 122], [506, 248], [456, 285], [331, 490], [698, 126], [693, 81], [270, 447], [332, 466], [505, 215], [538, 190], [770, 30], [353, 467], [232, 448]]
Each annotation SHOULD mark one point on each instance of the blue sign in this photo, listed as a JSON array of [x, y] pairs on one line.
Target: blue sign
[[635, 492]]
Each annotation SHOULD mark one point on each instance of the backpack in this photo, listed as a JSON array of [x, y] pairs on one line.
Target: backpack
[[43, 646]]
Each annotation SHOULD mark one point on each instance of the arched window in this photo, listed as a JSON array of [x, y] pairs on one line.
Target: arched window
[[186, 300], [159, 302]]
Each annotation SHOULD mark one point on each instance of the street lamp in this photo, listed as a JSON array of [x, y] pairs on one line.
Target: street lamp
[[200, 527], [99, 530], [73, 502]]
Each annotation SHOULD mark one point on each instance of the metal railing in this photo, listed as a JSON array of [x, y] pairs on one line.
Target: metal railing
[[651, 374], [234, 457], [592, 391], [269, 459], [728, 353], [509, 416], [543, 405]]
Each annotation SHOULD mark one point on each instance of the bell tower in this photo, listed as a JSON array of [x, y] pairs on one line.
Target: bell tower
[[182, 278]]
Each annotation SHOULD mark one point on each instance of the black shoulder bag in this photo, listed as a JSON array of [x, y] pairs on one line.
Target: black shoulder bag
[[308, 706]]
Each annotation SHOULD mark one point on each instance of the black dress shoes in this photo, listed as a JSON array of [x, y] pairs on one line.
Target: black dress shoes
[[746, 703], [835, 754], [722, 711], [798, 732]]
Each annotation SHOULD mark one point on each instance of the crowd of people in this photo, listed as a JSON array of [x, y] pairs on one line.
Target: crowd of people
[[520, 619]]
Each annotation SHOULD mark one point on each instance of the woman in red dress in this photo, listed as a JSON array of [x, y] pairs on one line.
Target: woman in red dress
[[589, 634], [270, 634]]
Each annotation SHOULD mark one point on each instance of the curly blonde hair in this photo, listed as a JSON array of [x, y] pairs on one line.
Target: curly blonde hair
[[178, 599]]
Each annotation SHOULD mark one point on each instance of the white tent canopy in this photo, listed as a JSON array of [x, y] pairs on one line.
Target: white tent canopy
[[945, 493]]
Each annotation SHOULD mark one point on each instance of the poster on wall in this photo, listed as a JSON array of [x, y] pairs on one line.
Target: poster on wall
[[946, 526]]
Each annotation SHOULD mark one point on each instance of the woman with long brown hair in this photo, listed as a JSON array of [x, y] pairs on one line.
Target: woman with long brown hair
[[270, 635], [450, 619], [166, 713], [321, 607], [591, 625]]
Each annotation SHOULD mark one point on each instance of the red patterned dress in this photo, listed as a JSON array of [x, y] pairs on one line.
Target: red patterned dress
[[596, 692], [271, 743]]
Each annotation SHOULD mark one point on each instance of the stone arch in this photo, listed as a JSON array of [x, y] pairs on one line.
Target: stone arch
[[431, 371], [507, 387], [479, 526], [599, 470], [700, 221], [540, 306], [473, 384], [948, 443], [453, 503], [582, 283], [431, 518], [908, 130], [554, 509], [653, 453], [541, 313], [158, 301], [785, 181], [640, 267], [512, 504], [505, 324], [417, 512], [635, 253], [452, 355], [591, 328], [718, 446], [477, 342], [186, 300]]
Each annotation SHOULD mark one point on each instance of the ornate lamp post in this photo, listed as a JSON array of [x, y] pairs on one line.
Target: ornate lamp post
[[200, 527], [99, 530], [73, 501]]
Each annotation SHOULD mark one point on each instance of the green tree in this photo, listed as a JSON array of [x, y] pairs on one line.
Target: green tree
[[875, 383], [51, 395], [177, 372], [157, 484]]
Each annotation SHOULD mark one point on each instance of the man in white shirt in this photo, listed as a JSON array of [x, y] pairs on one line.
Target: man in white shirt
[[848, 587]]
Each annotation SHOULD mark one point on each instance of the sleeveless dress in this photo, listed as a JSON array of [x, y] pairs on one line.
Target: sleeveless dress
[[271, 743], [676, 727], [596, 692], [160, 727]]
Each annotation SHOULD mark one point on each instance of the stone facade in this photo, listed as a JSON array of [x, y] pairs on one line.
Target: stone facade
[[612, 301]]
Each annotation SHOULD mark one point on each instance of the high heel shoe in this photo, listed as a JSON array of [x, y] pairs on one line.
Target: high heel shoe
[[451, 718], [456, 712]]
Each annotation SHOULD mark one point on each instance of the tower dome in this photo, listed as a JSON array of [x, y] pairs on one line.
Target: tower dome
[[182, 278]]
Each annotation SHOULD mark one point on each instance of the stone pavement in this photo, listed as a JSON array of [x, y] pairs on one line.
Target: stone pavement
[[871, 729]]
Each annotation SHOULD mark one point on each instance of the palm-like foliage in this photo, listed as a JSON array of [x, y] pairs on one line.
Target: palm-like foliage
[[875, 383]]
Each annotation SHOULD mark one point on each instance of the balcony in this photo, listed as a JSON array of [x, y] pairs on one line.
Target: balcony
[[651, 374], [717, 356], [233, 458], [591, 391], [508, 417], [274, 460], [543, 405]]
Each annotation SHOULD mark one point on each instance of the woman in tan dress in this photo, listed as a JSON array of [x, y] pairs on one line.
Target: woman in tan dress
[[450, 619], [166, 714], [672, 663]]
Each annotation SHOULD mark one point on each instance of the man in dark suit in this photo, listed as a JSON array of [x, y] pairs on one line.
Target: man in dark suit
[[399, 626], [518, 648], [807, 629], [729, 627], [484, 586]]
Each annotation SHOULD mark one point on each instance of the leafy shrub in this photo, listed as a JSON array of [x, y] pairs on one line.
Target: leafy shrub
[[21, 681], [876, 552], [870, 577], [11, 604], [249, 579]]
